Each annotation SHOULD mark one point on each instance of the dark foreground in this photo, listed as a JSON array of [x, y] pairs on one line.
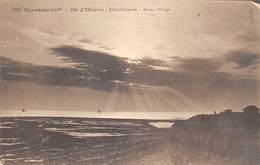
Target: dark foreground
[[227, 138]]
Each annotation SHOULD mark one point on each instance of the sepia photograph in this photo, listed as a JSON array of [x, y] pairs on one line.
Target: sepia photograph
[[120, 82]]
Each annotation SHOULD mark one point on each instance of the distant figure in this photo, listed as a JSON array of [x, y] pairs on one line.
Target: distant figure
[[198, 14], [23, 110], [99, 111], [215, 113]]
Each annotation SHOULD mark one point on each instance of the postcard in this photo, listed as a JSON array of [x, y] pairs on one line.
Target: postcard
[[120, 82]]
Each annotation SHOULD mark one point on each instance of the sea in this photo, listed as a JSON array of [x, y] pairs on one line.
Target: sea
[[75, 140]]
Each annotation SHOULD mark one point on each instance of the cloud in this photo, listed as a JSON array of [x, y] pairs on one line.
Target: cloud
[[92, 69], [256, 1], [93, 63], [104, 71], [153, 62], [85, 40], [203, 73], [250, 37], [51, 33], [198, 79], [14, 70], [11, 43], [198, 65], [243, 59]]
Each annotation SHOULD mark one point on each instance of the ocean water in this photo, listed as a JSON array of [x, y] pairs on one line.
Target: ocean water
[[63, 140]]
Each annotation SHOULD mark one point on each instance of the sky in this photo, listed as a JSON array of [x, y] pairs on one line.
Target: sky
[[199, 56]]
